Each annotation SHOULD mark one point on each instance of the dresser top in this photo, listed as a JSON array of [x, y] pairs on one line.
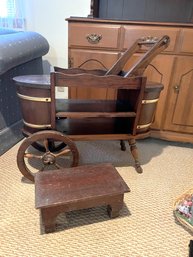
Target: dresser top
[[127, 22]]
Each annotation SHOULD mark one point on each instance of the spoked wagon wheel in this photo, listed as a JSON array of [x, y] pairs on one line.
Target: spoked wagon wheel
[[29, 160], [52, 145]]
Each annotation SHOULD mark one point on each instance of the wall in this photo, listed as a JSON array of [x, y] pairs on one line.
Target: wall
[[48, 19]]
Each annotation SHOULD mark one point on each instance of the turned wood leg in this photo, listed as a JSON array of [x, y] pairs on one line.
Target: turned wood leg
[[48, 219], [134, 152], [122, 144], [114, 208]]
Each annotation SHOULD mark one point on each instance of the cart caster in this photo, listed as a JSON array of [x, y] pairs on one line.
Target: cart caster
[[30, 161]]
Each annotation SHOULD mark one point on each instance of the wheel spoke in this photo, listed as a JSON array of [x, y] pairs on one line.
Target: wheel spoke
[[30, 156], [65, 151], [57, 166], [46, 145], [51, 145]]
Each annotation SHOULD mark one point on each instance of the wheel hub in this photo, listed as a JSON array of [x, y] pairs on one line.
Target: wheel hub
[[48, 159]]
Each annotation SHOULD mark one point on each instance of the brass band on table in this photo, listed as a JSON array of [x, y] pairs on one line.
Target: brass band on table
[[150, 101], [34, 98], [37, 126], [48, 99], [143, 126]]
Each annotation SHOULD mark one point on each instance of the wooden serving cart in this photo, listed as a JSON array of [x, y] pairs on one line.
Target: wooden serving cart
[[52, 125]]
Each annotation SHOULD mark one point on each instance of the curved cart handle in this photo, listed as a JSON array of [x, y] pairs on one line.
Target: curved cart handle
[[138, 68], [156, 46]]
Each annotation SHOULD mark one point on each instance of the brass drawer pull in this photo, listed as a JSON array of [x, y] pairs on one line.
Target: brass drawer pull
[[148, 40], [94, 38]]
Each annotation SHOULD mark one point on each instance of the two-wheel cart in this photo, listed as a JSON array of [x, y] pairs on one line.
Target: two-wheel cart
[[52, 125]]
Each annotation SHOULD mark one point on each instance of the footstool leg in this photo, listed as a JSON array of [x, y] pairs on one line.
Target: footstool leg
[[114, 208], [48, 219]]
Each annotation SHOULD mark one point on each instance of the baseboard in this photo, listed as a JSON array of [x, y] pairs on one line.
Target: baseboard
[[10, 136], [172, 136]]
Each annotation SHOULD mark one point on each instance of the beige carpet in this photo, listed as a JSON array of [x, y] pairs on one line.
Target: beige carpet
[[146, 226]]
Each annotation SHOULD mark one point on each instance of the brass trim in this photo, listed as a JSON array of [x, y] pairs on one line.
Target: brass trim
[[150, 101], [37, 126], [143, 126], [34, 98]]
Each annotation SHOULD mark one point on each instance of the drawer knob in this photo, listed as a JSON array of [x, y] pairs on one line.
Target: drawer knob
[[94, 38], [177, 88]]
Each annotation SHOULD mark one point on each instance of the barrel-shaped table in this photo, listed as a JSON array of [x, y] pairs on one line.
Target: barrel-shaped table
[[35, 99]]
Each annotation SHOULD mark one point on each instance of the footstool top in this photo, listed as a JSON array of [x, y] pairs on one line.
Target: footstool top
[[69, 185]]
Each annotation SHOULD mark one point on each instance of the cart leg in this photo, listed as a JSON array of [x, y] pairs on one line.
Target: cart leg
[[122, 144], [134, 152]]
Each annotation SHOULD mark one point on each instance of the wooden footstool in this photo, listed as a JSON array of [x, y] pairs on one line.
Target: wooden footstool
[[78, 188]]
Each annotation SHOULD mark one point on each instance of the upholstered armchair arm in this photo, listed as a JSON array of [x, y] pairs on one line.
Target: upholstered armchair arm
[[20, 47]]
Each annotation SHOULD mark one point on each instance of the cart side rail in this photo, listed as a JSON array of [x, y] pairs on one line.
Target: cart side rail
[[59, 79]]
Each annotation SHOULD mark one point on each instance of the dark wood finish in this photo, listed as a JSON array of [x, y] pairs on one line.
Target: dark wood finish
[[34, 95], [134, 153], [48, 157], [78, 188], [118, 119], [154, 46], [89, 80], [125, 127], [79, 71], [94, 114], [86, 119]]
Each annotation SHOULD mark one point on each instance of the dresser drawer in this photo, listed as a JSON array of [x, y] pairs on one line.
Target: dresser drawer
[[186, 41], [91, 35], [135, 32]]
